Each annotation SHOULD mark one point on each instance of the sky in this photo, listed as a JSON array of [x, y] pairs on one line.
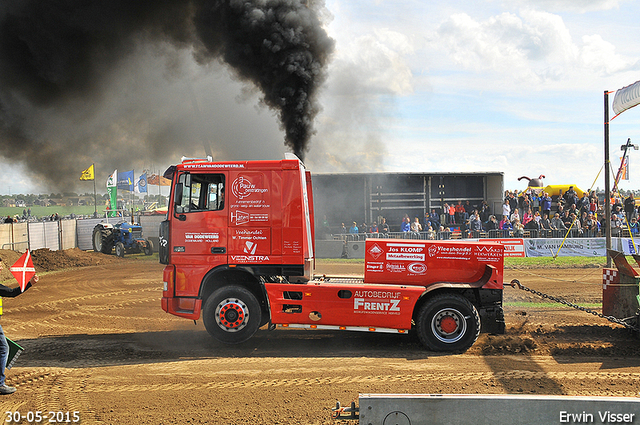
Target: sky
[[413, 86]]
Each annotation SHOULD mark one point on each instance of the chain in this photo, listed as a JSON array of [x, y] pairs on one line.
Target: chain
[[622, 322]]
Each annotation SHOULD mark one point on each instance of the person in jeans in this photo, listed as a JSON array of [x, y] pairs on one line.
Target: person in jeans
[[5, 291]]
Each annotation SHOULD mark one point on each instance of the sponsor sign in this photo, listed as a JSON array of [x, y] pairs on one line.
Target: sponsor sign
[[250, 243], [201, 237], [418, 262], [376, 302], [572, 247], [512, 247]]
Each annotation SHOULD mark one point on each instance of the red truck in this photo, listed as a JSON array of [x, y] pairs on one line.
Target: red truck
[[238, 245]]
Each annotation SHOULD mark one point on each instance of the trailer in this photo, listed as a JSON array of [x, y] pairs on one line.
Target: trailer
[[238, 245]]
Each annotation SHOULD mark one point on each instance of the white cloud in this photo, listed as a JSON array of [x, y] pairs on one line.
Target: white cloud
[[533, 47], [580, 6]]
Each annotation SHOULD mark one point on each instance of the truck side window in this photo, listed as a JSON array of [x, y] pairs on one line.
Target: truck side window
[[205, 193]]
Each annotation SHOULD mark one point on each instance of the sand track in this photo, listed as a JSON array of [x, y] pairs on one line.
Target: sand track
[[97, 342]]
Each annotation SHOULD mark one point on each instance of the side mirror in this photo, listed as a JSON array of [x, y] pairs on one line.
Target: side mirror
[[177, 195]]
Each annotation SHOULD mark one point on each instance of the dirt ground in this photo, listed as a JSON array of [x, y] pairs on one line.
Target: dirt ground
[[97, 342]]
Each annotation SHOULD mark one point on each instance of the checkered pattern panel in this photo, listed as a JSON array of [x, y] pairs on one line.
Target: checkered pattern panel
[[609, 276]]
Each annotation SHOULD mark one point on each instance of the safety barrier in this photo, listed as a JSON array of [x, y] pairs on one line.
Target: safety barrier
[[65, 234]]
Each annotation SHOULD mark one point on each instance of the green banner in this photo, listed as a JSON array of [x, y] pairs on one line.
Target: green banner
[[112, 188]]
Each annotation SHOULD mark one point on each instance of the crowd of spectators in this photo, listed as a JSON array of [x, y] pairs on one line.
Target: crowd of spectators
[[530, 212]]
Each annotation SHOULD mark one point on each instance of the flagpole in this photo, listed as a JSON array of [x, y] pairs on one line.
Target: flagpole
[[95, 199], [607, 192]]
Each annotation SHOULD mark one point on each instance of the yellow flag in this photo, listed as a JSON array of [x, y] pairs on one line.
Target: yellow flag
[[87, 174]]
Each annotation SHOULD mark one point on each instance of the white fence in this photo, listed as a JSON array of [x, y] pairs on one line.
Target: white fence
[[64, 234]]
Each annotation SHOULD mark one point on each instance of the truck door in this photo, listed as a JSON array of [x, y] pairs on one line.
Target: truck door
[[198, 228]]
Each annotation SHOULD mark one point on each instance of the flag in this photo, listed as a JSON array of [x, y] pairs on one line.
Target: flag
[[112, 188], [626, 98], [88, 174], [157, 180], [624, 168], [141, 184], [125, 181], [23, 270]]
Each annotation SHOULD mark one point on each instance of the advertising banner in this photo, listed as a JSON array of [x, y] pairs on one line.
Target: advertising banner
[[572, 247], [513, 247]]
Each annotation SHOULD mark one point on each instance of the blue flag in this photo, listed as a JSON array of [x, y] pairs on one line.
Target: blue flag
[[125, 180], [141, 184]]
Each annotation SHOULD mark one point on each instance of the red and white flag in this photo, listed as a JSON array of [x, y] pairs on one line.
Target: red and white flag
[[23, 270]]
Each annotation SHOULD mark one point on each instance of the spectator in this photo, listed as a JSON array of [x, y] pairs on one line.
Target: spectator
[[629, 206], [616, 225], [384, 227], [513, 202], [434, 219], [575, 223], [593, 206], [364, 227], [633, 226], [460, 212], [492, 223], [343, 229], [485, 211], [591, 225], [506, 209], [416, 227], [406, 225], [570, 197], [527, 217], [373, 228], [505, 224], [545, 223], [526, 204], [431, 234], [475, 224], [557, 223], [468, 210], [518, 229], [566, 220], [546, 204], [535, 201], [532, 225], [451, 214], [515, 216], [353, 229], [8, 219], [585, 203]]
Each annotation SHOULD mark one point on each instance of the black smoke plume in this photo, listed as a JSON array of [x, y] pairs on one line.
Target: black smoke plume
[[63, 54]]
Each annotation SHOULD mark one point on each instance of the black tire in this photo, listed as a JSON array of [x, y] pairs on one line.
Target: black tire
[[232, 314], [102, 239], [148, 248], [448, 322], [120, 249]]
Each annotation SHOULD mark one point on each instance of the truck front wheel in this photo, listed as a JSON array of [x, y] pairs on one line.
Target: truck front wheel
[[232, 314], [448, 323]]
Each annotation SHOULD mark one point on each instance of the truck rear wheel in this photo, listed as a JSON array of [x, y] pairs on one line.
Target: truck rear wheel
[[448, 323], [232, 314]]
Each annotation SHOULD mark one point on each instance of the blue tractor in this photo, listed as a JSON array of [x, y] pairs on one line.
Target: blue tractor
[[124, 237]]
